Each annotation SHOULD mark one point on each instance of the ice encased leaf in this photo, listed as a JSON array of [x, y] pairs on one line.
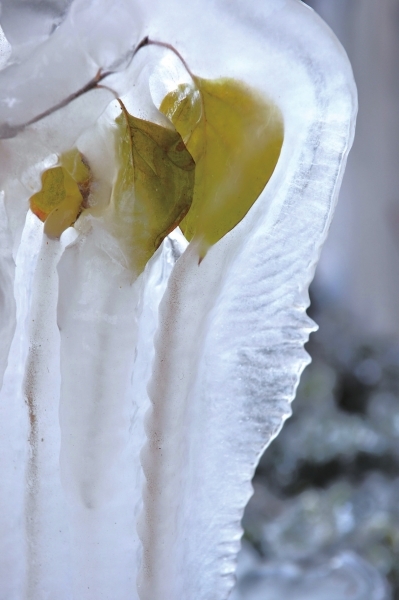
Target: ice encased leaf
[[218, 402], [235, 139], [59, 201], [154, 187], [229, 347]]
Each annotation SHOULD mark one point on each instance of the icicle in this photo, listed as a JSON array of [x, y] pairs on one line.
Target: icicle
[[47, 564]]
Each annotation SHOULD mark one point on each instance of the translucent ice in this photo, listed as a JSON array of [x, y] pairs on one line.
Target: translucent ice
[[135, 405]]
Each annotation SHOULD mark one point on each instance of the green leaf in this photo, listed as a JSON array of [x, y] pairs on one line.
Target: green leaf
[[64, 190], [235, 137], [154, 187]]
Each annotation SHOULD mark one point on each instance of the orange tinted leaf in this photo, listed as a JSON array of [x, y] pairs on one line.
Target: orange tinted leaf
[[64, 188]]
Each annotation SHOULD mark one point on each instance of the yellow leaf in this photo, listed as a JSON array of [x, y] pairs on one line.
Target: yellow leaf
[[235, 137], [64, 189], [154, 186], [76, 165], [63, 216]]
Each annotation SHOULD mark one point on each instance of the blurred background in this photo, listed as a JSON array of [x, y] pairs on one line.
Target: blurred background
[[323, 523]]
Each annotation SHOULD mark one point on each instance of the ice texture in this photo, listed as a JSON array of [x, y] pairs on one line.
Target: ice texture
[[5, 49], [27, 23], [134, 409]]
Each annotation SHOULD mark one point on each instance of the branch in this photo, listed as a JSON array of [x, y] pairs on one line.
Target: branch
[[9, 131]]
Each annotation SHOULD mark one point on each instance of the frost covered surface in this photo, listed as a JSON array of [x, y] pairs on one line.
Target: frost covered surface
[[99, 502]]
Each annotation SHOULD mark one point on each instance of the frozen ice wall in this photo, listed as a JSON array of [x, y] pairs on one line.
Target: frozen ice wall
[[135, 405]]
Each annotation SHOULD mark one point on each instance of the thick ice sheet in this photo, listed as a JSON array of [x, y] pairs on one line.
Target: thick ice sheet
[[219, 400], [81, 463]]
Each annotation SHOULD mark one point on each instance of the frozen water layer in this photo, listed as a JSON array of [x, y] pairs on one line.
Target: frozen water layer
[[217, 366]]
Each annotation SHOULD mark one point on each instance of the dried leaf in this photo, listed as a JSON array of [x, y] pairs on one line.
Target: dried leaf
[[235, 137], [154, 187]]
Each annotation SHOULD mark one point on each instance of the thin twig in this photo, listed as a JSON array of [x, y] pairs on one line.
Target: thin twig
[[9, 131]]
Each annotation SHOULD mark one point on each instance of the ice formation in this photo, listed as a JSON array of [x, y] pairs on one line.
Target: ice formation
[[135, 406]]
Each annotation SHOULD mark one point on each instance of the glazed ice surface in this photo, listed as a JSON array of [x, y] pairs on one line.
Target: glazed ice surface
[[134, 407]]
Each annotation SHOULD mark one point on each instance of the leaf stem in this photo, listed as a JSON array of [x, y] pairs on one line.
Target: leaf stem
[[150, 42]]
